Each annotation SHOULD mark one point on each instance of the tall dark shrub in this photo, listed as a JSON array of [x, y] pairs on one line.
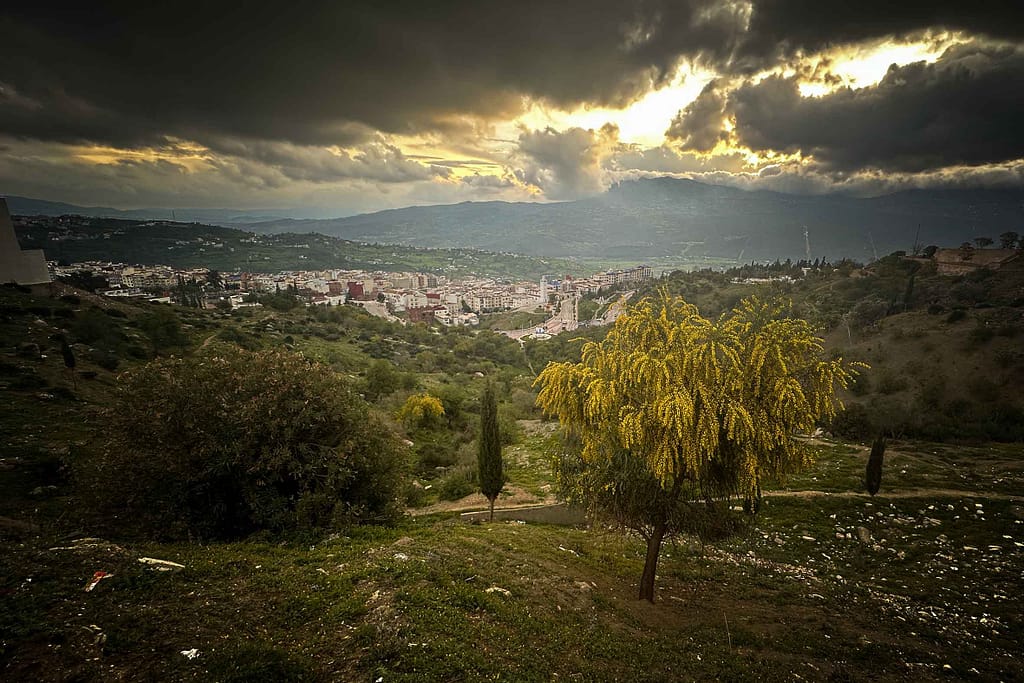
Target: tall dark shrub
[[228, 442], [492, 479], [873, 474]]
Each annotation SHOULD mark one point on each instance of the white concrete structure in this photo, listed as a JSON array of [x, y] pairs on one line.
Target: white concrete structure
[[22, 267]]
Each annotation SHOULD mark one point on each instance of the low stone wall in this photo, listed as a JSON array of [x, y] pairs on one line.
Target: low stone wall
[[559, 513]]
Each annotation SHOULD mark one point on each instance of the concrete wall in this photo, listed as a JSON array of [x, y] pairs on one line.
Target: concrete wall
[[558, 513]]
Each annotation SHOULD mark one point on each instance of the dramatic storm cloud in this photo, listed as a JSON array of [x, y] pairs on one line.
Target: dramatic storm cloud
[[966, 108], [362, 105]]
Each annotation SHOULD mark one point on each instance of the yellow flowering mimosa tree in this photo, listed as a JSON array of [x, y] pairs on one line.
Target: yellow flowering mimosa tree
[[672, 411]]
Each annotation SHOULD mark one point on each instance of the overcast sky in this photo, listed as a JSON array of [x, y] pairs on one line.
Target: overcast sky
[[358, 106]]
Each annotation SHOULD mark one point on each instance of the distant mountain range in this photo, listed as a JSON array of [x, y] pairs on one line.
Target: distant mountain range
[[25, 206], [672, 218]]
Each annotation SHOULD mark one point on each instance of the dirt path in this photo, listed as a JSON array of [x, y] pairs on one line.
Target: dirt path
[[206, 342], [521, 499]]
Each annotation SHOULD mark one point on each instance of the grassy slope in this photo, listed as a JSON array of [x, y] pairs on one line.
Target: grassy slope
[[936, 585]]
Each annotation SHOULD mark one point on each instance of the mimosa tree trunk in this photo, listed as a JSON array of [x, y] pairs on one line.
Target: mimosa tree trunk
[[651, 563]]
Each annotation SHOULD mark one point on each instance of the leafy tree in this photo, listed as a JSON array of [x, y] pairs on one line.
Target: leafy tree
[[228, 442], [214, 280], [673, 409], [452, 398], [381, 379], [983, 242], [69, 360], [488, 459], [163, 328], [189, 293], [1008, 240]]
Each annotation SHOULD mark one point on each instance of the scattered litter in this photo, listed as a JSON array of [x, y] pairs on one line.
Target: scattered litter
[[190, 654], [497, 589], [99, 637], [161, 565], [567, 550], [96, 578], [401, 557]]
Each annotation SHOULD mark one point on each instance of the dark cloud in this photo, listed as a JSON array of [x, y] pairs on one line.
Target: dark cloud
[[131, 73], [780, 29], [377, 161], [965, 109], [314, 73], [794, 178], [698, 127], [268, 87]]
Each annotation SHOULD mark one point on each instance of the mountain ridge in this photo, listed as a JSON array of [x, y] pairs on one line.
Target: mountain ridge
[[652, 218]]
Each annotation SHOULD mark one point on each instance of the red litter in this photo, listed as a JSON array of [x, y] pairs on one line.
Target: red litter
[[96, 578]]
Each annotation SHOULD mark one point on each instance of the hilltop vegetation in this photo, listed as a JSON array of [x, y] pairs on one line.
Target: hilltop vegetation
[[944, 351], [74, 239]]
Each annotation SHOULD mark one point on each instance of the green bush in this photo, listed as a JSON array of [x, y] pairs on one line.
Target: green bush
[[459, 483], [163, 328], [509, 430], [239, 338], [891, 382], [93, 327], [853, 423], [229, 442], [105, 359], [861, 384], [433, 449]]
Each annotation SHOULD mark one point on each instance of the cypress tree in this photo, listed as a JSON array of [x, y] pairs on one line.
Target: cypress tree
[[69, 361], [873, 474], [489, 456]]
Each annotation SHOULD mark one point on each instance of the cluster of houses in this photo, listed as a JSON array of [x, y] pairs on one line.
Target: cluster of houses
[[416, 297]]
